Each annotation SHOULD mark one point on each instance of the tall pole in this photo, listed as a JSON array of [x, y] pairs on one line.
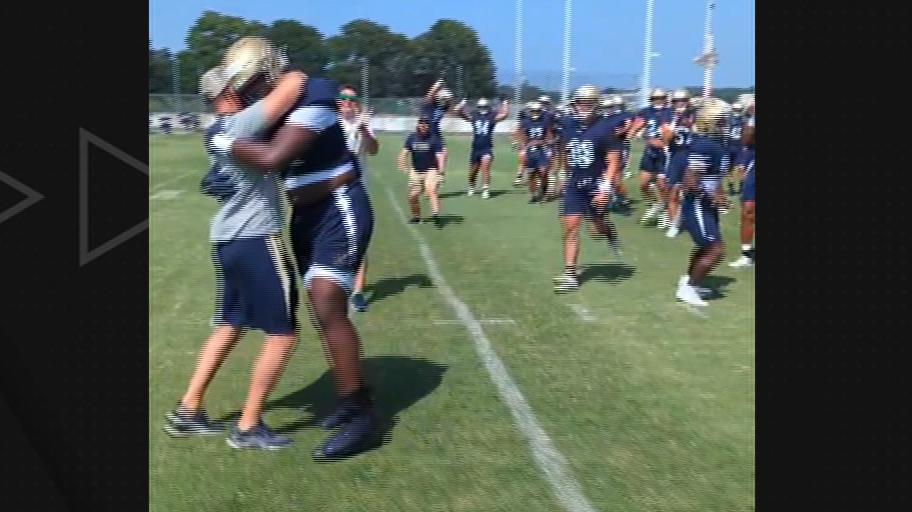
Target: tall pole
[[364, 91], [565, 77], [518, 46], [647, 55], [175, 82], [709, 59]]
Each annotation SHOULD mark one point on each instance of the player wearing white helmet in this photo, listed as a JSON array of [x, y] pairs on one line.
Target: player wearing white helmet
[[735, 127], [535, 137], [593, 154], [522, 114], [748, 190], [677, 138], [437, 103], [613, 109], [482, 121], [651, 119]]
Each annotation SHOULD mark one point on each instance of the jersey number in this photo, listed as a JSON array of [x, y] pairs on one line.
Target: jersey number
[[481, 127], [536, 132], [580, 153]]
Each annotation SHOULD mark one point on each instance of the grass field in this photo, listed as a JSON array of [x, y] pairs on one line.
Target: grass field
[[651, 404]]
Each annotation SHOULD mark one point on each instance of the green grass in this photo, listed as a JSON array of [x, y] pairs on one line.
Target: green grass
[[653, 406]]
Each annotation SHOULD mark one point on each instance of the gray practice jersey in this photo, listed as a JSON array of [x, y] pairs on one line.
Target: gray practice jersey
[[253, 206]]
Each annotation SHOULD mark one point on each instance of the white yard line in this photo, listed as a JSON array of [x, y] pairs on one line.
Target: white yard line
[[551, 462]]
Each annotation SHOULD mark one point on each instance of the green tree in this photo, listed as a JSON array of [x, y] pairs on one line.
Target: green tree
[[451, 49], [207, 40], [160, 71], [304, 44], [386, 53]]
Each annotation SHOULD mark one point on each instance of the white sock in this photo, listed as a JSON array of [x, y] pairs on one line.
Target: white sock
[[746, 247]]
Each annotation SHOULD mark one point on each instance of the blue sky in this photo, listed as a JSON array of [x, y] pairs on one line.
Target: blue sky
[[607, 45]]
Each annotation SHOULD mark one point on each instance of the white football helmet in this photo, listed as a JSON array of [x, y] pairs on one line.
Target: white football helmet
[[585, 101], [444, 96], [250, 58]]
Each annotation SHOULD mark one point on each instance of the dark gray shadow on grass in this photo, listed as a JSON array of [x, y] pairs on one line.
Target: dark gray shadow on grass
[[606, 272], [494, 193], [445, 219], [397, 383], [390, 286], [717, 285]]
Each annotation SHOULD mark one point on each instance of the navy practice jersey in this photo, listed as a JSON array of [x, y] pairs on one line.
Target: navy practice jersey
[[424, 150], [655, 118], [434, 114], [483, 129], [587, 146], [708, 157], [735, 129], [682, 136], [316, 110], [534, 129]]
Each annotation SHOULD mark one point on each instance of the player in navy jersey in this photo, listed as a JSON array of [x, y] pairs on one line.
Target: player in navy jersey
[[331, 226], [593, 154], [748, 194], [677, 138], [437, 104], [535, 139], [523, 113], [426, 153], [703, 196], [650, 120], [482, 121], [735, 125], [612, 108]]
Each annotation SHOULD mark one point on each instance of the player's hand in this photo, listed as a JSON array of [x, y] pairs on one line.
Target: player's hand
[[720, 200], [364, 119], [222, 143], [461, 104], [600, 199]]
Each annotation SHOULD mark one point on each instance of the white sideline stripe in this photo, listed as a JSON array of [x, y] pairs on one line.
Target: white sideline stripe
[[166, 194], [583, 312], [159, 186], [552, 463], [485, 321]]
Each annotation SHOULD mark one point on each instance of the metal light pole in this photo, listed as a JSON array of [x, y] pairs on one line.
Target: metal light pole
[[175, 82], [709, 59], [648, 55], [364, 83], [518, 47], [565, 77]]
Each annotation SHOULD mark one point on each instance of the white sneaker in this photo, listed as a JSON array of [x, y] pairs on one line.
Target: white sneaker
[[689, 295], [470, 192], [565, 283], [628, 175], [672, 231], [664, 221], [485, 194], [650, 213], [743, 261], [701, 291]]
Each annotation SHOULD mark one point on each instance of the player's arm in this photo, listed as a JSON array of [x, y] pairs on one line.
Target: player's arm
[[403, 158], [267, 111], [295, 137], [371, 144], [504, 111], [638, 123], [432, 92], [747, 133], [460, 111]]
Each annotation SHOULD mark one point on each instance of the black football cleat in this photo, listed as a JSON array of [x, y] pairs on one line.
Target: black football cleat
[[346, 409], [362, 433]]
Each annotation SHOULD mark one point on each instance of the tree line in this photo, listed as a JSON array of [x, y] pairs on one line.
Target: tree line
[[398, 66]]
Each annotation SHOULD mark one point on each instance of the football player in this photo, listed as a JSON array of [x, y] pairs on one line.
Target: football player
[[593, 155], [438, 102], [748, 193], [735, 125], [650, 120], [703, 196], [677, 138], [331, 226], [535, 132], [483, 121], [426, 152]]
